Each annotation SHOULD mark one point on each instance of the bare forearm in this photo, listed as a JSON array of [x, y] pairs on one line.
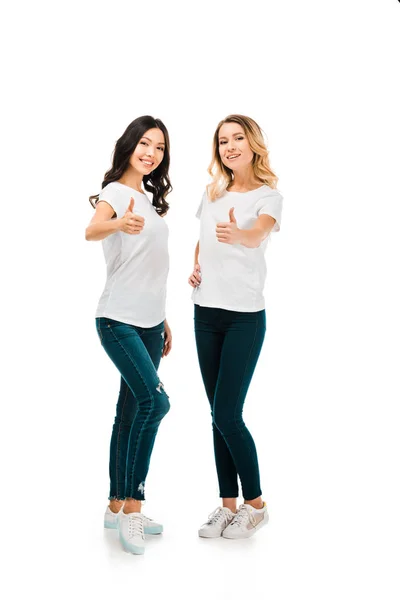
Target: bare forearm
[[252, 238], [196, 253], [101, 230]]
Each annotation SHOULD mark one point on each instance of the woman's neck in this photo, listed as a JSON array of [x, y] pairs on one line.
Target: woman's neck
[[244, 180], [132, 179]]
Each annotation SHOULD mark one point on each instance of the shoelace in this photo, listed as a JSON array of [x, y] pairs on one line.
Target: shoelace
[[217, 516], [145, 519], [135, 526], [242, 516]]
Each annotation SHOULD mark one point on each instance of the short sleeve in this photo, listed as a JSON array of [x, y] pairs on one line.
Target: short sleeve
[[271, 204], [199, 210], [115, 199]]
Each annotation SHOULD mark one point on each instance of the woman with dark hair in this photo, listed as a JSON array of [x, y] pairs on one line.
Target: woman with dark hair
[[130, 317], [237, 213]]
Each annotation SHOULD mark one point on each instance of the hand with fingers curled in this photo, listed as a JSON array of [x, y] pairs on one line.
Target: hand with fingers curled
[[167, 339], [131, 223], [195, 278], [229, 233]]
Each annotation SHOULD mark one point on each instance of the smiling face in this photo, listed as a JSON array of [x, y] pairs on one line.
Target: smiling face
[[234, 147], [149, 152]]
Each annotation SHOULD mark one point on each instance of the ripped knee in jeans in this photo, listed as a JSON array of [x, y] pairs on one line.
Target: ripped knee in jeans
[[162, 403]]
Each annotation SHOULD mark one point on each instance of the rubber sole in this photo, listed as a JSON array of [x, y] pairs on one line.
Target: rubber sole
[[131, 547], [147, 530], [204, 535]]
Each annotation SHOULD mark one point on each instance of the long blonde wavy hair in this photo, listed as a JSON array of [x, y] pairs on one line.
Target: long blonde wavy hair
[[222, 176]]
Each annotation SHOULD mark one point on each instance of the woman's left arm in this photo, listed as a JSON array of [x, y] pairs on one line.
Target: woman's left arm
[[229, 233]]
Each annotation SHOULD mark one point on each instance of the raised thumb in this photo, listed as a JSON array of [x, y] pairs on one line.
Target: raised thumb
[[131, 205], [232, 216]]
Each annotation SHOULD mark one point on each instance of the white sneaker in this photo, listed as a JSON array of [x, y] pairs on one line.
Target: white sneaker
[[131, 532], [216, 523], [150, 527], [110, 519], [246, 522]]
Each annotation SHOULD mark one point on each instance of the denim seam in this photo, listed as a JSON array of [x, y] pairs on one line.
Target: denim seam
[[138, 440], [143, 427], [241, 387], [118, 442], [99, 332], [145, 385]]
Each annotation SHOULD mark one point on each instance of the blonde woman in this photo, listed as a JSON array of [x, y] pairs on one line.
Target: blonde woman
[[238, 211]]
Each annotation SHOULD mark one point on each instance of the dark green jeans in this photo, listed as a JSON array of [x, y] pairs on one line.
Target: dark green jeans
[[142, 402], [228, 347]]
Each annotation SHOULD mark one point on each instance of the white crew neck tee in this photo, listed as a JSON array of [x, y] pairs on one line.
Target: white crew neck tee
[[137, 265], [233, 276]]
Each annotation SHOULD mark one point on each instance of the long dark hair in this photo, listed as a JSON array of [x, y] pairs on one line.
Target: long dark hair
[[157, 182]]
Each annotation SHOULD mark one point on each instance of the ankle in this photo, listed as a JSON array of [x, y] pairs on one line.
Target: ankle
[[131, 505], [115, 505], [229, 503], [257, 503]]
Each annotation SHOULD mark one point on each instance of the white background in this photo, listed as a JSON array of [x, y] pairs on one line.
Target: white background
[[322, 81]]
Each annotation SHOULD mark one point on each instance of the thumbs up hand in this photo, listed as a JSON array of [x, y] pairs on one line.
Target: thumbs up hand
[[130, 222], [131, 205], [229, 233]]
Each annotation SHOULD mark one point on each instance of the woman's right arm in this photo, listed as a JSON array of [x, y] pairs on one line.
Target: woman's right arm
[[102, 225], [195, 278]]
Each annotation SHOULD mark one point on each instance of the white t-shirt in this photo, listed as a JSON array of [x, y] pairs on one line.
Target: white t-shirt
[[233, 276], [137, 265]]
